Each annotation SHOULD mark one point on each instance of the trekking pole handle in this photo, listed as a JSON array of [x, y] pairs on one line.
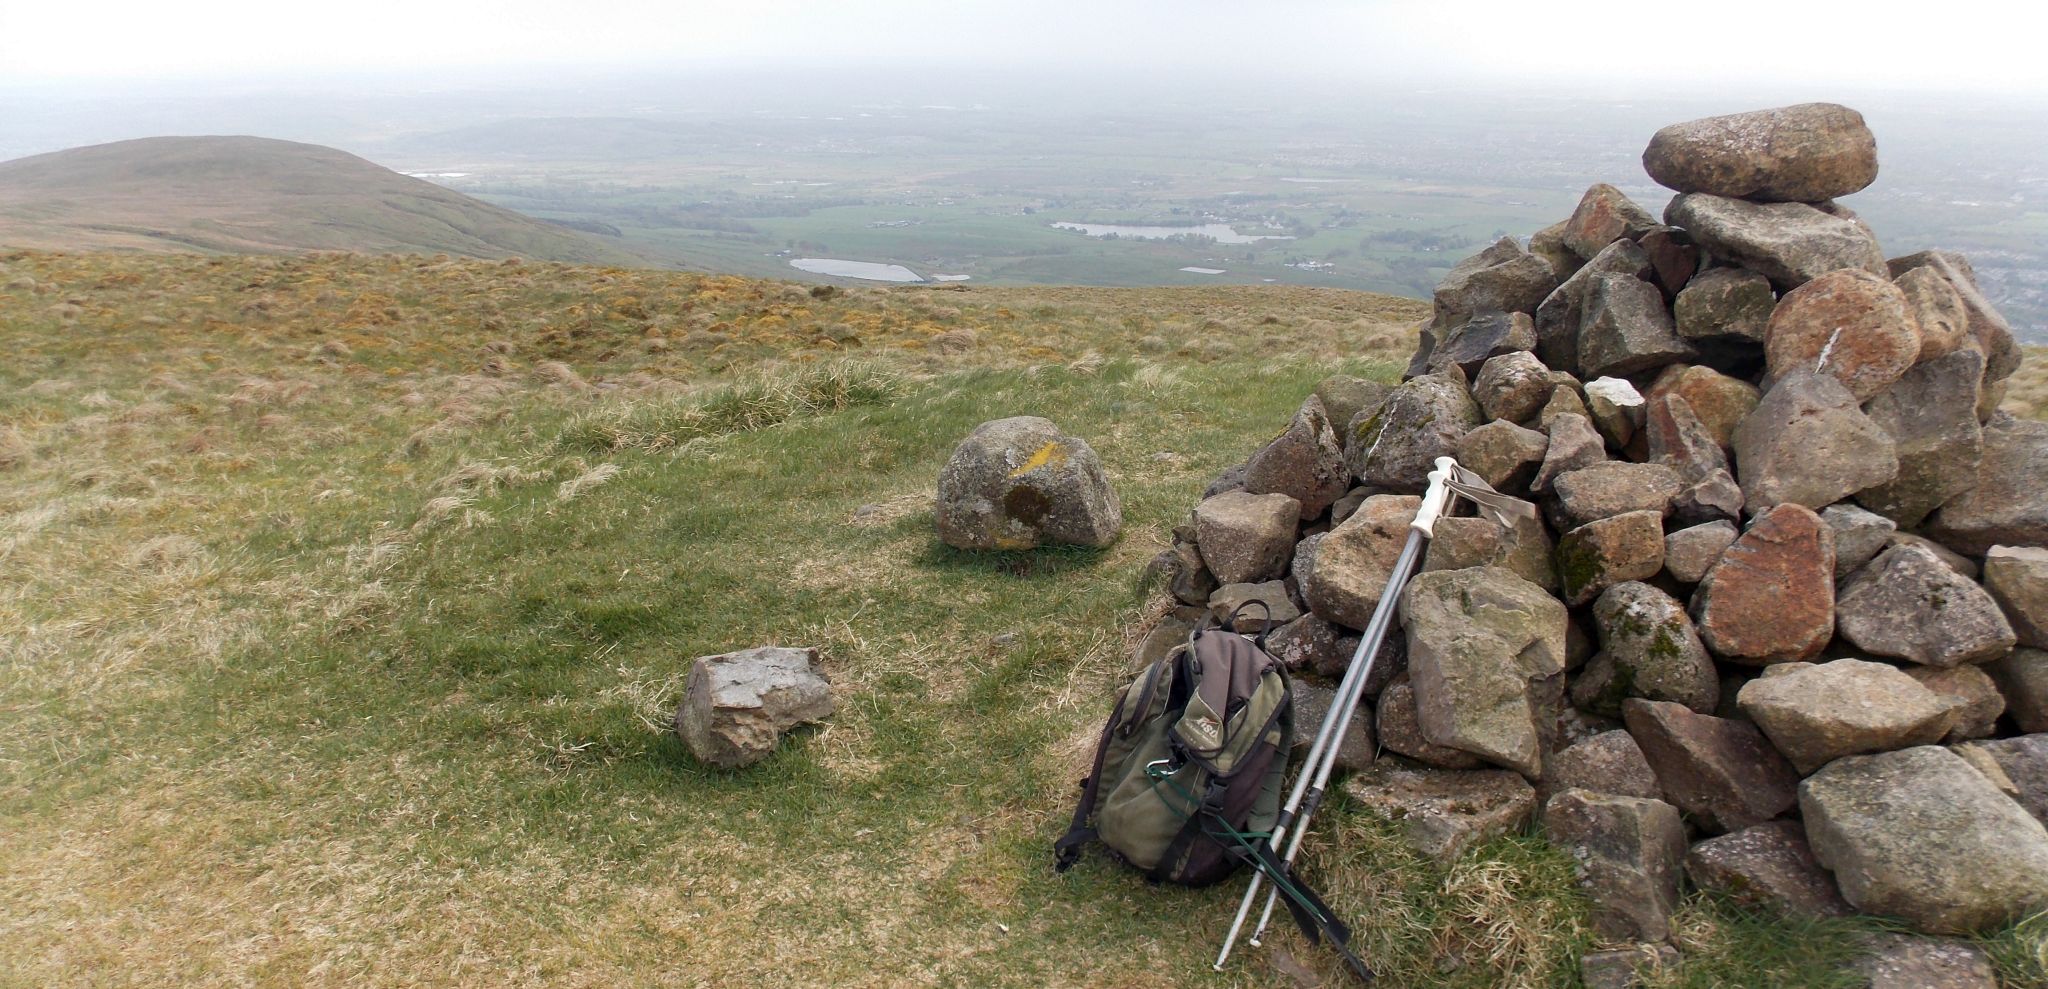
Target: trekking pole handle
[[1436, 499]]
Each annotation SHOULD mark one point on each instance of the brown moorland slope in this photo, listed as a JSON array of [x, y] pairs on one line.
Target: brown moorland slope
[[254, 195]]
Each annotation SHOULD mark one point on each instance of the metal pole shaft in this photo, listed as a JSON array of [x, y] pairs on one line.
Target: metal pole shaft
[[1347, 706]]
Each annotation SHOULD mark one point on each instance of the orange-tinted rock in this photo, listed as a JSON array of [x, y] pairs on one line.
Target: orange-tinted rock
[[1801, 154], [1849, 324], [1718, 400], [1770, 598]]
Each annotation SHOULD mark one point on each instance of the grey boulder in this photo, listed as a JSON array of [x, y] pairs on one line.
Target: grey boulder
[[1822, 712], [1789, 243], [737, 705], [1799, 154], [1019, 483], [1908, 604]]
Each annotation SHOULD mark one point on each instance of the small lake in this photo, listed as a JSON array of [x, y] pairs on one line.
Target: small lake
[[1221, 232], [873, 271]]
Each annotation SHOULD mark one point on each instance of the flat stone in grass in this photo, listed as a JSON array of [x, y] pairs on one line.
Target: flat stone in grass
[[1629, 968], [737, 705], [1246, 538], [1909, 605], [1920, 835], [1906, 961], [1845, 707], [1444, 811], [1020, 483], [1768, 865]]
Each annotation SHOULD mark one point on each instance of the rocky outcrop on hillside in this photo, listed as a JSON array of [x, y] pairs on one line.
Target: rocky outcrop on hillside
[[1777, 615]]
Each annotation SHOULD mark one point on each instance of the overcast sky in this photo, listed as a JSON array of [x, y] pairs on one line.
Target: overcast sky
[[1961, 44]]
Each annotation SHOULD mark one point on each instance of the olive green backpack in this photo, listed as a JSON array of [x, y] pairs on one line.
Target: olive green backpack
[[1190, 769]]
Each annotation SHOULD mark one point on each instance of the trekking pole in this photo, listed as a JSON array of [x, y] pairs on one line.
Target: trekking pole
[[1321, 759]]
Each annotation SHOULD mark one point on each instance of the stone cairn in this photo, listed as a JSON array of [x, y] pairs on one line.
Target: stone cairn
[[1778, 627]]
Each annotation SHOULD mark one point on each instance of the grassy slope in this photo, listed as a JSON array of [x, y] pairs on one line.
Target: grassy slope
[[256, 195], [336, 652]]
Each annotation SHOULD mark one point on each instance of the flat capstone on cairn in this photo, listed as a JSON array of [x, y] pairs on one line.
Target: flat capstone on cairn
[[1779, 627]]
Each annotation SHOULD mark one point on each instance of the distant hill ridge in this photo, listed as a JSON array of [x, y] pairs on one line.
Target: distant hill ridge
[[255, 195]]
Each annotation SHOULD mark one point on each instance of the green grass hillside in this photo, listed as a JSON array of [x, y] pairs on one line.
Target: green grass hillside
[[344, 601], [252, 195]]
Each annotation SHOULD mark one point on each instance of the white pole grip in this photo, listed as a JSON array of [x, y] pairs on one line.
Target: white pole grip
[[1436, 498]]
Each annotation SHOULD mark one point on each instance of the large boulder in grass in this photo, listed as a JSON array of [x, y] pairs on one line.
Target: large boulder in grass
[[2017, 577], [737, 705], [1809, 443], [1628, 853], [1424, 419], [1910, 605], [1931, 415], [1849, 324], [1603, 216], [1477, 638], [1304, 462], [1816, 714], [1648, 648], [1723, 773], [1993, 335], [1352, 563], [1793, 154], [1789, 243], [2008, 505], [1247, 538], [1770, 598], [1019, 483], [1920, 835]]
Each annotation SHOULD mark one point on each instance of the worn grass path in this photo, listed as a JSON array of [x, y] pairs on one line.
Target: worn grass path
[[350, 665]]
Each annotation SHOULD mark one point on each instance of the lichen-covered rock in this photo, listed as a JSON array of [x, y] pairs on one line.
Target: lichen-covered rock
[[1648, 648], [1400, 730], [1312, 707], [1512, 386], [1860, 535], [1724, 307], [1851, 325], [1344, 397], [1424, 419], [1770, 598], [1503, 454], [1920, 835], [1246, 538], [1257, 607], [2022, 677], [1309, 643], [1908, 604], [1501, 278], [1628, 853], [1809, 443], [1444, 811], [1354, 561], [1845, 707], [1937, 310], [2017, 577], [1689, 553], [1604, 215], [2008, 505], [1574, 443], [1019, 483], [1906, 961], [1988, 328], [1561, 314], [1626, 328], [1722, 773], [1769, 865], [1609, 551], [1798, 154], [736, 705], [1969, 692], [2024, 763], [1304, 462], [1789, 243], [1608, 762], [1477, 638], [1610, 488]]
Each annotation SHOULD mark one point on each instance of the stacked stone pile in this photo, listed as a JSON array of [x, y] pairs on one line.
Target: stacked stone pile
[[1780, 625]]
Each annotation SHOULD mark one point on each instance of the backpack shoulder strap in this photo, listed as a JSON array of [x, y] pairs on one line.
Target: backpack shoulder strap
[[1067, 850]]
